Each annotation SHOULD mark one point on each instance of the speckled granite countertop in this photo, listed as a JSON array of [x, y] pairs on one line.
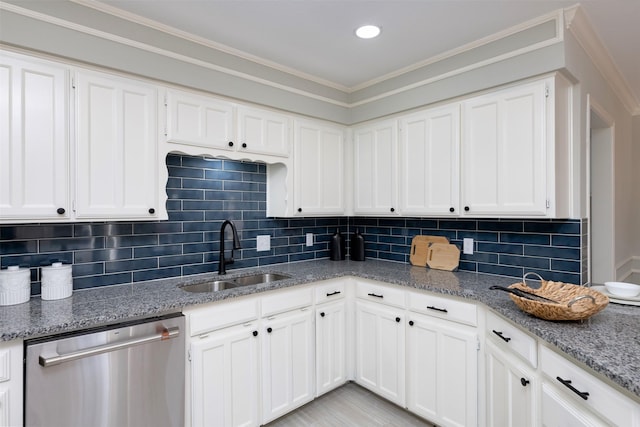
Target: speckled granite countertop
[[608, 343]]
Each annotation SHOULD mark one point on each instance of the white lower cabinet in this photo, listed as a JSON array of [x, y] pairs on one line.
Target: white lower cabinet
[[288, 362], [573, 397], [442, 370], [257, 358], [225, 386], [11, 354], [380, 350], [331, 346], [511, 390]]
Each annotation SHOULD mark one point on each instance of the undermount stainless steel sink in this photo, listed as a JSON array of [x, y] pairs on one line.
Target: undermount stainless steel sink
[[213, 286], [220, 285], [256, 279]]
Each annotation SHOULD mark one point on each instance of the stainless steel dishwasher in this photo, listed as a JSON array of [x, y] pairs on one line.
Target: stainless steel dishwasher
[[130, 374]]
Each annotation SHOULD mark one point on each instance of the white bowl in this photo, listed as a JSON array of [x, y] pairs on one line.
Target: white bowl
[[622, 289]]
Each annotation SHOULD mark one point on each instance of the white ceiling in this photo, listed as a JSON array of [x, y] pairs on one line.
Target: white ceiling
[[315, 37]]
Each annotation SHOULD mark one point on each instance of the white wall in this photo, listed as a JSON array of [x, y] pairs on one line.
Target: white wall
[[625, 197]]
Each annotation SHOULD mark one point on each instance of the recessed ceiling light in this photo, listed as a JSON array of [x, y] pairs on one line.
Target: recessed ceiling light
[[368, 31]]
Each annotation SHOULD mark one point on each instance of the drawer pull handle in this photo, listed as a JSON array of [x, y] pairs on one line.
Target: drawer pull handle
[[333, 293], [374, 295], [499, 333], [443, 310], [524, 382], [567, 384]]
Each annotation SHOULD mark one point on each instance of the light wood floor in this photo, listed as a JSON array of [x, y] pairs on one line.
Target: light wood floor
[[349, 405]]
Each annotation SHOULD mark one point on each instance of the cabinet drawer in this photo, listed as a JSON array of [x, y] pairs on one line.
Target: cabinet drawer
[[444, 308], [380, 293], [506, 335], [330, 290], [279, 302], [220, 315], [603, 399]]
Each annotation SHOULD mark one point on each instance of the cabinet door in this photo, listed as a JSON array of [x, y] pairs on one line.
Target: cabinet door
[[503, 152], [287, 363], [224, 378], [331, 327], [263, 132], [319, 169], [442, 371], [510, 390], [116, 147], [34, 140], [380, 350], [11, 383], [198, 120], [430, 162], [375, 175]]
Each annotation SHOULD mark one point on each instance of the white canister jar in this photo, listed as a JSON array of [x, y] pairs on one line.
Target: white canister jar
[[15, 285], [57, 281]]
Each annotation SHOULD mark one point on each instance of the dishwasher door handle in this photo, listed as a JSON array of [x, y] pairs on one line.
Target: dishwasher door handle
[[166, 334]]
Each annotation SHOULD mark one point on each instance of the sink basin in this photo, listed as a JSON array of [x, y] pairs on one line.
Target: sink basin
[[255, 279], [213, 286], [221, 285]]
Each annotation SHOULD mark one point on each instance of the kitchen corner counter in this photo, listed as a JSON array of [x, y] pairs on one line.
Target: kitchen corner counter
[[608, 342]]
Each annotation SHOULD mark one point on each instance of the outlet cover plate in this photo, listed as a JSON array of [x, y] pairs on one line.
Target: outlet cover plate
[[467, 246], [263, 243], [309, 239]]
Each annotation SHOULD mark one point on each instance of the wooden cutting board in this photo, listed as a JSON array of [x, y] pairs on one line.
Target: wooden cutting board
[[443, 256], [420, 246]]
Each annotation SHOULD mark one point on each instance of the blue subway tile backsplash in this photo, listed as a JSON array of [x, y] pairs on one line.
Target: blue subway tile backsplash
[[204, 192]]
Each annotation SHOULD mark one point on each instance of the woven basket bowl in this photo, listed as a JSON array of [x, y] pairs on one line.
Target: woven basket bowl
[[574, 302]]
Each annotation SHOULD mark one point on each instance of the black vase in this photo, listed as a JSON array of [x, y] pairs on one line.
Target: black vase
[[357, 246], [337, 250]]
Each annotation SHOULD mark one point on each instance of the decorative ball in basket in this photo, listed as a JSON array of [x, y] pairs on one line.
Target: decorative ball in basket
[[556, 300]]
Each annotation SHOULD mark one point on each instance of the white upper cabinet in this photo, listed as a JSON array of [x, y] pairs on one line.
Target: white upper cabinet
[[263, 132], [116, 143], [508, 152], [198, 120], [430, 162], [34, 140], [375, 148], [318, 168]]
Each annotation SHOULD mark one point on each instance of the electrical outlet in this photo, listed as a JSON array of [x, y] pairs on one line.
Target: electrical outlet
[[467, 246], [309, 239], [263, 243]]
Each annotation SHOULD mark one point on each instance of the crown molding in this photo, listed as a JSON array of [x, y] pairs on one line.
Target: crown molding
[[149, 23], [578, 23]]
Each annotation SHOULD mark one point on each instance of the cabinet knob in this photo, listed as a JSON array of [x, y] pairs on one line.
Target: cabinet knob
[[398, 319], [410, 322], [244, 145], [322, 314], [152, 211], [392, 209], [269, 330], [524, 382], [230, 143], [60, 211], [466, 208], [299, 209], [452, 210], [255, 333]]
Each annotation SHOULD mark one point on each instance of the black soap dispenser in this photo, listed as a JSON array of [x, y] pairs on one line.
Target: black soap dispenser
[[357, 246], [337, 250]]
